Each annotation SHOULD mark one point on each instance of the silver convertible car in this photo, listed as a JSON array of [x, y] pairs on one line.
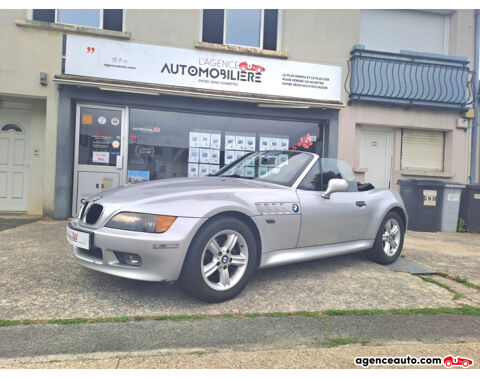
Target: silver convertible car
[[211, 233]]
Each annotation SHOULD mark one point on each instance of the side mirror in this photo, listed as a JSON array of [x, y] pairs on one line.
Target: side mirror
[[334, 186]]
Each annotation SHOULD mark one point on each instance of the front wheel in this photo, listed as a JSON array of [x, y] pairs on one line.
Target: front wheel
[[389, 241], [220, 260]]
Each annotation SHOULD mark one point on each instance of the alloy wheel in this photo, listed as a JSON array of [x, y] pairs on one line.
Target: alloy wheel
[[224, 260], [391, 237]]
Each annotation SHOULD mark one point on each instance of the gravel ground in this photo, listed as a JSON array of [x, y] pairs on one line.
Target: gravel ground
[[39, 279], [302, 357], [453, 252]]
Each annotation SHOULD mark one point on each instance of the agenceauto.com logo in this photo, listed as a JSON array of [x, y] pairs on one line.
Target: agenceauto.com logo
[[447, 361]]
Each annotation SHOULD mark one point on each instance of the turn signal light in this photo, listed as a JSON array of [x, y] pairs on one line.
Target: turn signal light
[[164, 222]]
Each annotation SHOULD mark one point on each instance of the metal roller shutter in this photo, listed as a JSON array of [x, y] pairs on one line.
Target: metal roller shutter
[[422, 150]]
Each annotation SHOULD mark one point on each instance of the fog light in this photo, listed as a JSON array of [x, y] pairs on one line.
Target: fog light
[[128, 258], [132, 259]]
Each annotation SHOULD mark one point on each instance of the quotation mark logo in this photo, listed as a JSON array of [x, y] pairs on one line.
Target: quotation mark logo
[[90, 50]]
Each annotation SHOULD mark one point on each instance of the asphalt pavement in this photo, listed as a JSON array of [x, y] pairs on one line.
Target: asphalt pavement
[[237, 334]]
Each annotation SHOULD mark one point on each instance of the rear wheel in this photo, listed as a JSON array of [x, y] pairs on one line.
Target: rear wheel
[[389, 241], [220, 260]]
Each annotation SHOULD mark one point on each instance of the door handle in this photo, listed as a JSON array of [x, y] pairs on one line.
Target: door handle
[[361, 203]]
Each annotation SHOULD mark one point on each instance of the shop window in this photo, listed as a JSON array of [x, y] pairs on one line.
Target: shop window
[[243, 27], [164, 144], [109, 19], [326, 169], [422, 150]]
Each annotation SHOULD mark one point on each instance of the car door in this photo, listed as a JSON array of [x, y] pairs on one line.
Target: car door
[[341, 218]]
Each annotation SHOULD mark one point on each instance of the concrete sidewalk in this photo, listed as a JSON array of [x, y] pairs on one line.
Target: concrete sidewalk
[[39, 279], [453, 252], [266, 342], [311, 357], [236, 333]]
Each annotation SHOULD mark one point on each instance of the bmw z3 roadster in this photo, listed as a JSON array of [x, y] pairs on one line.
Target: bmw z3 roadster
[[211, 233]]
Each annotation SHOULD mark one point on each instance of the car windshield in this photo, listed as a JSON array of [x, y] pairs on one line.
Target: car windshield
[[278, 167]]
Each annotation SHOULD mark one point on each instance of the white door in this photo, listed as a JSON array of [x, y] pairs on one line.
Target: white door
[[376, 155], [13, 161]]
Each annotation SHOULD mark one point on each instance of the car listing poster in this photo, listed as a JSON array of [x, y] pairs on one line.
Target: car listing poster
[[203, 153], [205, 149]]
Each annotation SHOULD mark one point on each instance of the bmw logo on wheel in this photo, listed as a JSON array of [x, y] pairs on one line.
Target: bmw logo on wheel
[[295, 208]]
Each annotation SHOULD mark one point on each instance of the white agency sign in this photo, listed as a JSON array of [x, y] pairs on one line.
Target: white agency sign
[[103, 58]]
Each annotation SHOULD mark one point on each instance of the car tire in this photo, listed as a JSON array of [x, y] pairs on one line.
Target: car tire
[[206, 273], [388, 243]]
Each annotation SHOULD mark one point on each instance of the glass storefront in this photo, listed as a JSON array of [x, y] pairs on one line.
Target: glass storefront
[[100, 134], [165, 144], [115, 149]]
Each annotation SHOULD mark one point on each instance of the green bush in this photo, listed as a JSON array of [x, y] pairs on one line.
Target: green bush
[[461, 227]]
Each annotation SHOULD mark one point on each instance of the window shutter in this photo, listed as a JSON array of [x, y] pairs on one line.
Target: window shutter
[[113, 19], [422, 150], [400, 29], [213, 25], [270, 26], [47, 15]]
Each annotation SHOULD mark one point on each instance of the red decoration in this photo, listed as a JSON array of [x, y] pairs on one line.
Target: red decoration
[[305, 142]]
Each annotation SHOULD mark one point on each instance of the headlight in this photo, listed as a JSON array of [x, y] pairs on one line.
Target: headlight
[[141, 222]]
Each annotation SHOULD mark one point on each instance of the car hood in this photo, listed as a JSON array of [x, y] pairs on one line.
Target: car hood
[[180, 187], [193, 197]]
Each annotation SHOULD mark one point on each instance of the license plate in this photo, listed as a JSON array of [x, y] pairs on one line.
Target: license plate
[[78, 238]]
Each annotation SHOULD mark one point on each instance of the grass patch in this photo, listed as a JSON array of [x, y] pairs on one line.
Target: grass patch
[[463, 310], [353, 312], [197, 353], [467, 283], [331, 343], [310, 314], [253, 315], [177, 318], [435, 282], [456, 295], [459, 279], [68, 321], [7, 323]]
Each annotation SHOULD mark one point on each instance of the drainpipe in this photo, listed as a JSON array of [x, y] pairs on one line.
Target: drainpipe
[[474, 156]]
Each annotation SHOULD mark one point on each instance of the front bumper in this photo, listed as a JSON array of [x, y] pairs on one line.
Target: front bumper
[[162, 254]]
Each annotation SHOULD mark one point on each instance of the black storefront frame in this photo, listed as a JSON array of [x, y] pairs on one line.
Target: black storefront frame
[[69, 96]]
